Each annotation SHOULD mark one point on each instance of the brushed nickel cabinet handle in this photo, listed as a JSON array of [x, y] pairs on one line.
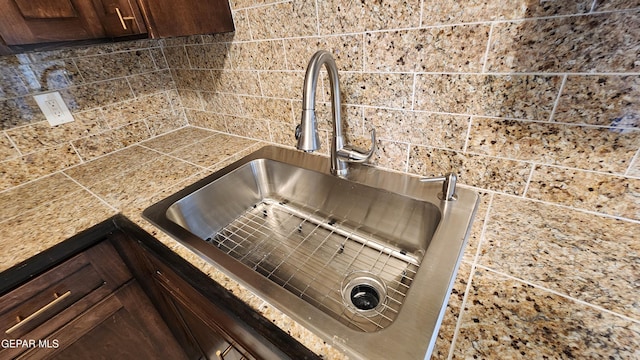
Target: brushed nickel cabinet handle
[[21, 322], [122, 19], [222, 354]]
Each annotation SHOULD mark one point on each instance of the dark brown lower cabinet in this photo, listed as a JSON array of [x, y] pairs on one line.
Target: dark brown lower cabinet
[[114, 292]]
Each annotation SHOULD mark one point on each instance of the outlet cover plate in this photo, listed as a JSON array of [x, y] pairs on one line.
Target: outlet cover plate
[[53, 108]]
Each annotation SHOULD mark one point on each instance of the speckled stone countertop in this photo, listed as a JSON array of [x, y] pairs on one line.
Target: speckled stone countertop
[[49, 210]]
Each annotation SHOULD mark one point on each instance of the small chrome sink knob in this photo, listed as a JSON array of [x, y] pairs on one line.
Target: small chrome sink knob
[[449, 182]]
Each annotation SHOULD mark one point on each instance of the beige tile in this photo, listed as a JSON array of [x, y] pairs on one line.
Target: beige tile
[[607, 194], [35, 137], [595, 43], [177, 139], [166, 122], [12, 82], [19, 111], [140, 184], [258, 55], [282, 133], [238, 82], [109, 141], [616, 4], [347, 51], [207, 120], [111, 165], [49, 224], [454, 12], [21, 199], [515, 96], [583, 147], [388, 154], [600, 100], [505, 318], [130, 111], [196, 80], [377, 89], [267, 108], [151, 82], [569, 251], [243, 29], [98, 94], [485, 172], [214, 149], [109, 66], [344, 16], [446, 49], [208, 56], [176, 57], [190, 99], [158, 58], [247, 127], [52, 75], [282, 84], [419, 128], [452, 313], [283, 19], [223, 103], [7, 149], [35, 165]]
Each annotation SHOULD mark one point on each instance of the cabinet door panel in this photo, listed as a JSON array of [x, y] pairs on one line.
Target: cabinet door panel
[[46, 9], [26, 22], [168, 18]]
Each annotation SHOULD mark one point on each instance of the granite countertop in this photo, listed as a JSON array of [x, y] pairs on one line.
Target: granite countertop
[[45, 212]]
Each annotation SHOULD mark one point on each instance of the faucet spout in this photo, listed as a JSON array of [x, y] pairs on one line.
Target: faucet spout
[[307, 131]]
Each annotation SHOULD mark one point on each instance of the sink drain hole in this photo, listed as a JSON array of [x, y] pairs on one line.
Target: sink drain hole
[[364, 293], [364, 297]]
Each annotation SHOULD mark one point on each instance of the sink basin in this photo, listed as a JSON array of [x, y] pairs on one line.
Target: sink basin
[[366, 262]]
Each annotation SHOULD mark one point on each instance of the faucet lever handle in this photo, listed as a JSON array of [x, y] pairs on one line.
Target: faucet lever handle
[[449, 182], [352, 154]]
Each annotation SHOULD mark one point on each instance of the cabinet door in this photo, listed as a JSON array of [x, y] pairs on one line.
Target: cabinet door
[[125, 325], [167, 18], [40, 21], [47, 302], [120, 17]]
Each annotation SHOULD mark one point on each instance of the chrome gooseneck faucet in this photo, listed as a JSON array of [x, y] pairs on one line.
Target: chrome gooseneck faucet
[[307, 130]]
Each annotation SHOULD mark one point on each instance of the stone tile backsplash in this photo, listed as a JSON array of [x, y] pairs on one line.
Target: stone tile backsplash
[[534, 103]]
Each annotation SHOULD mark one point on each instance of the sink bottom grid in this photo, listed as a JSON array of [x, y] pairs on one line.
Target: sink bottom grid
[[310, 255]]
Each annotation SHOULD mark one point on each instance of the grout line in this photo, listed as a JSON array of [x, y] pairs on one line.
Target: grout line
[[529, 178], [465, 147], [486, 53], [413, 92], [557, 101], [634, 159], [407, 166], [91, 192], [13, 143], [593, 6], [557, 293]]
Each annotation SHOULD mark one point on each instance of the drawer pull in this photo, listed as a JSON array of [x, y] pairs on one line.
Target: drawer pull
[[57, 300], [123, 18]]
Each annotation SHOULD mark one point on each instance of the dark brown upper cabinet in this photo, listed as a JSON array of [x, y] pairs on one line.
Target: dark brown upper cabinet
[[25, 23], [42, 21], [167, 18]]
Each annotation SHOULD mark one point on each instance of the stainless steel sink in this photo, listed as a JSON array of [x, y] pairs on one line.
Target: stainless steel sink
[[366, 262]]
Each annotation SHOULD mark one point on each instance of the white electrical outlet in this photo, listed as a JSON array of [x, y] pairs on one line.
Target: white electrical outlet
[[53, 108]]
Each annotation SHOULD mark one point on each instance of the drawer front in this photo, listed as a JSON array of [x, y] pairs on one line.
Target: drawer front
[[50, 300]]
